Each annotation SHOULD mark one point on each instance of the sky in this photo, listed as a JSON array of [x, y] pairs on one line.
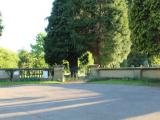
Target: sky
[[22, 21]]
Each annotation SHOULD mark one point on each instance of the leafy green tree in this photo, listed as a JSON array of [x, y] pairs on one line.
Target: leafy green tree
[[25, 59], [35, 58], [145, 26], [155, 60], [38, 46], [84, 61], [8, 59], [76, 26], [37, 52]]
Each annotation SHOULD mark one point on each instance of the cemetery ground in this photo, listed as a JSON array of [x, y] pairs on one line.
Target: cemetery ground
[[94, 100]]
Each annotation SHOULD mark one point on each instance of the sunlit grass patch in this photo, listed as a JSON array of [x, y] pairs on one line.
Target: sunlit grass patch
[[9, 83], [127, 82]]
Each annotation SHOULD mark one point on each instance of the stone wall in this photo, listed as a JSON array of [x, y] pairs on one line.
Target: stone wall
[[128, 73], [151, 73]]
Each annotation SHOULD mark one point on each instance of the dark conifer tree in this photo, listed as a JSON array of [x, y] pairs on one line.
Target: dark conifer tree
[[145, 26]]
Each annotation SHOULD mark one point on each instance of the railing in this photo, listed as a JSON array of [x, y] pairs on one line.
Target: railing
[[26, 73]]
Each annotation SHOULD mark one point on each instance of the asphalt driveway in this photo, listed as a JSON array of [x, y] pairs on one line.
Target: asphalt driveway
[[79, 102]]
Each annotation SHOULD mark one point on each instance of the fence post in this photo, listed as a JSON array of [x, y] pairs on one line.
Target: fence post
[[59, 73], [93, 72]]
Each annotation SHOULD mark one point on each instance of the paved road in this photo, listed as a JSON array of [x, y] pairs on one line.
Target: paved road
[[79, 102]]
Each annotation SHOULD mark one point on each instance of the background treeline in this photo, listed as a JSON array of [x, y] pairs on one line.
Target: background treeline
[[111, 33], [117, 32], [24, 58], [78, 26], [144, 21]]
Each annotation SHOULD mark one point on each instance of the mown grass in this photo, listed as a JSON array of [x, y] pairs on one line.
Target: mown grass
[[9, 83], [155, 83]]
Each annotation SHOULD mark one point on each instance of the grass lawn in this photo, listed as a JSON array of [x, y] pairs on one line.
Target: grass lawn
[[2, 84], [128, 82], [111, 81]]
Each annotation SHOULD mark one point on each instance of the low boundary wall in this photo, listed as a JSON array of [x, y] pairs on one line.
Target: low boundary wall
[[128, 73], [55, 73]]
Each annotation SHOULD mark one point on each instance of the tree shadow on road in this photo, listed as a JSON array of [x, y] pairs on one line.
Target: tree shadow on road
[[96, 102]]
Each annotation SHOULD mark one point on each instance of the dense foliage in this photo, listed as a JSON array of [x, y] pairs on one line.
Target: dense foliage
[[84, 61], [145, 26], [8, 59], [62, 41], [35, 58], [112, 32], [76, 26], [137, 59], [37, 52], [155, 60], [25, 59]]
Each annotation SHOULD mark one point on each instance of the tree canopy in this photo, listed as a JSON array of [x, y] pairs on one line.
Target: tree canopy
[[35, 58], [37, 52], [111, 44], [8, 59], [25, 59], [145, 26], [38, 48], [62, 41], [76, 26]]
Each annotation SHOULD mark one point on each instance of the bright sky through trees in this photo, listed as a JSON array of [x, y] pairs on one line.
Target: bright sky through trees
[[23, 20]]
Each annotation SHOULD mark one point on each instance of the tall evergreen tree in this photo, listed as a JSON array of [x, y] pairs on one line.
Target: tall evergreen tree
[[62, 42], [145, 26], [117, 43], [109, 26], [76, 26]]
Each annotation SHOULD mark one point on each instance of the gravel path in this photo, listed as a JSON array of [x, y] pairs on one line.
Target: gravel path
[[79, 102]]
